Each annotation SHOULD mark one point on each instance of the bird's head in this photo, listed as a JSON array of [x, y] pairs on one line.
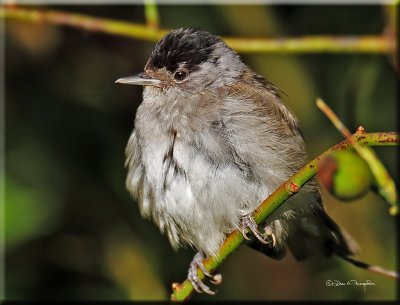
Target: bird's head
[[189, 60]]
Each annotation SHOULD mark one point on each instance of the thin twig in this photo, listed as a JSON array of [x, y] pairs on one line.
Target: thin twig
[[182, 292], [391, 30], [151, 13], [306, 44]]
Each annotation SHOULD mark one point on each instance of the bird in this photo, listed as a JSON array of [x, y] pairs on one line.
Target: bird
[[211, 140]]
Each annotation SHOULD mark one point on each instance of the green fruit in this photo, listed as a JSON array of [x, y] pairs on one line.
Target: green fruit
[[345, 174]]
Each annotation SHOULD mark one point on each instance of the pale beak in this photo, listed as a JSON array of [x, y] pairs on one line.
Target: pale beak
[[141, 79]]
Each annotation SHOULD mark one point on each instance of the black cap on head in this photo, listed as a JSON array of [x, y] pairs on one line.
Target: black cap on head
[[190, 46]]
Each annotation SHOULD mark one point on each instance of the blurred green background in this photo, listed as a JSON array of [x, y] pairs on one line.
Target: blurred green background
[[72, 231]]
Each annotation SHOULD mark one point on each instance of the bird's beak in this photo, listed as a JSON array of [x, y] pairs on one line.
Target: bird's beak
[[141, 79]]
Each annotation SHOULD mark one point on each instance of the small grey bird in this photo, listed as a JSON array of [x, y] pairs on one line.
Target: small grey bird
[[212, 139]]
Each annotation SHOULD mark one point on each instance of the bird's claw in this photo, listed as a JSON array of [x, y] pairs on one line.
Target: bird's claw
[[197, 284], [247, 222], [268, 232]]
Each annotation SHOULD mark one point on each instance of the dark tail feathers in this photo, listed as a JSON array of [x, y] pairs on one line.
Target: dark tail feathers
[[326, 235]]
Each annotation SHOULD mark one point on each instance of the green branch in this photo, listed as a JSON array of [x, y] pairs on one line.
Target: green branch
[[307, 44], [151, 13], [181, 292]]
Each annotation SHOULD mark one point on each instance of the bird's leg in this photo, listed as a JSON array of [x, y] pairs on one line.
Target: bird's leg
[[197, 284], [247, 222]]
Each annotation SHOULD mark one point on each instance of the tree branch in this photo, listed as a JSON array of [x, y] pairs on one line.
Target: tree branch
[[151, 14], [383, 44], [182, 292]]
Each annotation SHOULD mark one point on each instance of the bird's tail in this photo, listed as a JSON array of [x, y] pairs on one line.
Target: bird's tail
[[366, 266], [341, 244], [317, 231]]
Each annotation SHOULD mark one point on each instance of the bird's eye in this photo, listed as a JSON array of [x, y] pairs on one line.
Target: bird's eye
[[180, 75]]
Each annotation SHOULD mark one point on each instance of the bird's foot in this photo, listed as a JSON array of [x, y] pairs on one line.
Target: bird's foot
[[269, 234], [198, 284], [248, 223]]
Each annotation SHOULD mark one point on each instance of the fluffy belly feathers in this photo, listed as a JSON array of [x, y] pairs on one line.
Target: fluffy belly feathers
[[191, 195]]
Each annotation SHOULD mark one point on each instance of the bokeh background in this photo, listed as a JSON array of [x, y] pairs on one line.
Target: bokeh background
[[72, 231]]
